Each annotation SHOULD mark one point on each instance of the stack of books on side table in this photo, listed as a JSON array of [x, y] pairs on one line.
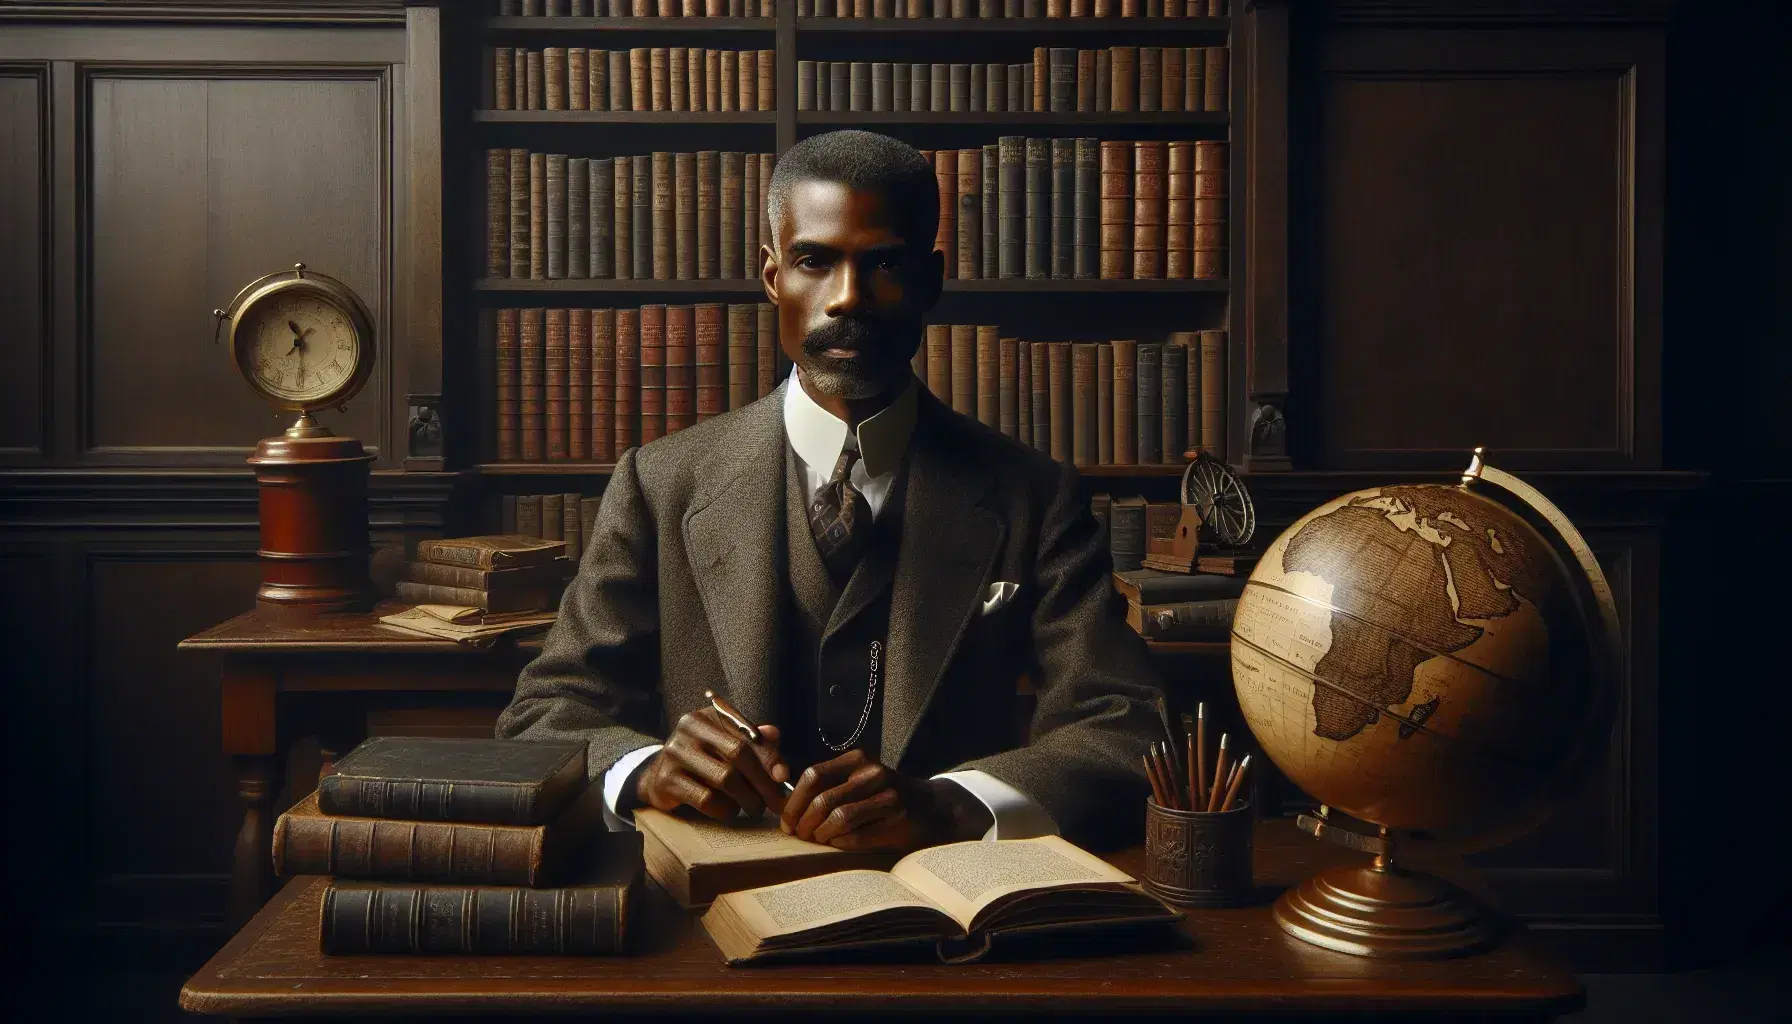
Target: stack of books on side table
[[467, 846], [1179, 606], [497, 574]]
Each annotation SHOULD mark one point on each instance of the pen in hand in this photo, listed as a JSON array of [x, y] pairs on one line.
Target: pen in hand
[[747, 731]]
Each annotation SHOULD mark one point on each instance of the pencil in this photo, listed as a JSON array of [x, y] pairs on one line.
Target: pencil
[[1170, 758], [1201, 749], [1237, 783], [1167, 776], [1220, 764], [1194, 794], [1157, 790]]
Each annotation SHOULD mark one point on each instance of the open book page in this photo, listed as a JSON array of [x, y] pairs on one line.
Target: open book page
[[963, 878], [704, 841], [812, 903]]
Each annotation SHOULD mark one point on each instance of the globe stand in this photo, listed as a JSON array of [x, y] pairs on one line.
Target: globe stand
[[1381, 910]]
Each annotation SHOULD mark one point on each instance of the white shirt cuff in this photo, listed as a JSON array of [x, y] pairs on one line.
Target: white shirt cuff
[[1016, 814], [619, 776]]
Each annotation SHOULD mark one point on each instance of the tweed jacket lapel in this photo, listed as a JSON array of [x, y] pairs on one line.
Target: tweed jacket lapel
[[949, 542], [734, 537]]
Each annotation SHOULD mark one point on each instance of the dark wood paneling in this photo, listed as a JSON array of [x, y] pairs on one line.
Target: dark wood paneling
[[24, 259], [199, 185]]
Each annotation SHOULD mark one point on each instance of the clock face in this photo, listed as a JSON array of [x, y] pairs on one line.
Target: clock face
[[298, 348]]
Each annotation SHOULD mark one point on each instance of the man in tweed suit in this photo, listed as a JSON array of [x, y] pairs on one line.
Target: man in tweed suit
[[858, 567]]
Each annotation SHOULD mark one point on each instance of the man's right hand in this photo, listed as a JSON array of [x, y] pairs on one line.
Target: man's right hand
[[709, 765]]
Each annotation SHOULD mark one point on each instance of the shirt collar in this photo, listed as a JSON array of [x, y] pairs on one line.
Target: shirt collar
[[818, 435]]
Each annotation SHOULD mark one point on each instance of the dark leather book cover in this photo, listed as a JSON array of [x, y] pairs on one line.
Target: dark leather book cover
[[507, 382], [964, 369], [519, 72], [554, 378], [995, 88], [1008, 386], [822, 74], [641, 169], [1213, 393], [1208, 621], [533, 414], [620, 84], [712, 371], [1149, 407], [533, 79], [939, 361], [538, 216], [1194, 77], [1123, 85], [553, 526], [684, 216], [858, 95], [497, 213], [1149, 187], [732, 208], [1126, 378], [1063, 223], [588, 509], [920, 87], [939, 88], [1190, 342], [1151, 71], [901, 85], [528, 524], [1215, 94], [989, 376], [1126, 533], [601, 231], [519, 213], [499, 551], [1082, 404], [578, 384], [1061, 399], [664, 212], [743, 360], [585, 918], [767, 163], [578, 78], [1011, 206], [1179, 212], [1019, 79], [1061, 68], [978, 98], [1023, 392], [970, 213], [1104, 80], [490, 781], [1152, 586], [622, 218], [839, 85], [1039, 203], [627, 407], [542, 598], [1115, 225], [958, 81], [653, 372], [603, 385], [578, 217], [503, 78], [1169, 92], [1173, 396], [729, 91], [556, 215], [569, 529], [1040, 390], [1104, 404], [1085, 81], [1085, 203], [681, 367], [598, 79], [553, 76], [882, 86], [765, 333], [945, 173], [805, 85]]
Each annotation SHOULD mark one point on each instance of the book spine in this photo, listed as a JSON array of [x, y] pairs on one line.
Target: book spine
[[1208, 240], [712, 80], [588, 509], [585, 920], [1126, 377], [578, 384], [1086, 209], [1063, 222], [1023, 392], [1194, 77], [977, 81], [1104, 80], [1104, 404], [1010, 206], [805, 85], [1149, 159], [1151, 71], [1060, 399], [664, 223], [621, 81], [578, 78], [1216, 91], [920, 88], [712, 371], [1191, 388], [538, 216], [1148, 422], [659, 80], [708, 213], [1040, 389], [553, 522], [533, 414], [653, 372], [1116, 211], [519, 213], [729, 222], [603, 385], [1083, 451], [684, 200], [497, 213], [1019, 79], [410, 851], [989, 403], [769, 364], [1188, 620], [901, 85], [553, 70], [964, 370], [1007, 387], [1085, 81], [508, 385], [678, 79], [1123, 86], [743, 363], [747, 70], [422, 800], [1179, 211], [995, 88], [1126, 534], [627, 406], [554, 378], [1173, 393], [767, 163], [766, 91], [598, 79], [969, 198], [958, 79], [681, 367], [578, 217], [858, 96], [989, 206], [1169, 90], [503, 78], [1061, 67], [939, 361], [882, 85], [569, 526], [945, 239], [641, 169], [1041, 79], [1039, 196], [622, 218], [939, 88], [1213, 393], [556, 214], [528, 523], [839, 85]]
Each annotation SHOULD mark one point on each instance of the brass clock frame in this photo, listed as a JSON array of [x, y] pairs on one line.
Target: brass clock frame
[[302, 280]]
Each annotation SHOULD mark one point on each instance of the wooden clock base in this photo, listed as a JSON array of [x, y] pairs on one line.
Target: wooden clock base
[[314, 541]]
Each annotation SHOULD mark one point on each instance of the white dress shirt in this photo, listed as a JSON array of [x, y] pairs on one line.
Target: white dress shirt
[[817, 437]]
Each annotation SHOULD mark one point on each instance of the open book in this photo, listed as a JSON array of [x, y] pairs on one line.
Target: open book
[[695, 858], [956, 896]]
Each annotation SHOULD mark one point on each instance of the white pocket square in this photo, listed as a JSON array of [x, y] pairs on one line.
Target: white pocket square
[[998, 595]]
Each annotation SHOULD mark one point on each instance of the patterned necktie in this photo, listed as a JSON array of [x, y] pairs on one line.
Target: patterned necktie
[[840, 519]]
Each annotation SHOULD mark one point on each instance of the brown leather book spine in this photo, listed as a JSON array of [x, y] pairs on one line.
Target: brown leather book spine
[[1216, 74], [989, 376], [1179, 212], [1213, 393], [622, 218], [653, 372], [805, 85], [528, 515], [1039, 208], [538, 216], [730, 83], [553, 72], [1007, 386], [1148, 402], [1126, 379], [1104, 79], [1169, 89], [1208, 236], [765, 332], [424, 851], [1039, 387], [712, 371], [1106, 8], [641, 167], [712, 79], [743, 363], [1063, 212], [1104, 404], [665, 209], [746, 219], [503, 78], [1132, 8], [621, 84], [639, 96], [969, 200], [556, 210], [578, 78], [684, 216], [533, 413], [747, 76], [532, 80], [554, 374], [1148, 189], [1116, 211], [964, 369], [519, 214], [507, 383], [497, 213], [729, 217], [1084, 450], [1011, 213], [1085, 81], [945, 172], [1060, 399], [1173, 398], [708, 215], [1042, 89], [597, 75], [939, 361], [1150, 82], [1194, 77], [1023, 392], [696, 61], [1123, 88], [659, 80], [569, 526], [578, 384], [765, 91], [678, 79], [603, 385], [583, 920], [627, 405], [767, 163], [681, 367]]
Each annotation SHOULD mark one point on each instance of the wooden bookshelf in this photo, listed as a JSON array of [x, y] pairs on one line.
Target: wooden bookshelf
[[1020, 285], [569, 468], [565, 26], [1014, 119], [583, 117], [1033, 27]]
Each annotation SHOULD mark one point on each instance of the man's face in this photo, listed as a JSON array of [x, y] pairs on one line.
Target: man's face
[[850, 290]]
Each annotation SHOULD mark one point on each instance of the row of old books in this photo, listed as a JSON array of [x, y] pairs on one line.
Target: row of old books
[[588, 384], [1134, 523], [567, 517], [987, 9], [664, 216], [640, 78], [635, 8], [1109, 403], [468, 846], [1082, 208], [492, 574], [1059, 80]]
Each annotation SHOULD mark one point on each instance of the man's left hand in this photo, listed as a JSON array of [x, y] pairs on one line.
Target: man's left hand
[[854, 803]]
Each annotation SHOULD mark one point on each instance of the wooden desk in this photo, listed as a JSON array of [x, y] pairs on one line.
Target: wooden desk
[[1226, 963]]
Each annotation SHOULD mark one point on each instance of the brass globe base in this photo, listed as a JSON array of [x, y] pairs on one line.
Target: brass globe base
[[1393, 914]]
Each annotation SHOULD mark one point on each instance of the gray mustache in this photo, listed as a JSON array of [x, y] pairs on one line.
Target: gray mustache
[[843, 333]]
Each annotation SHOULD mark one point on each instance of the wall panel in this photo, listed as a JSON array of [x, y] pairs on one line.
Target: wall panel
[[24, 314]]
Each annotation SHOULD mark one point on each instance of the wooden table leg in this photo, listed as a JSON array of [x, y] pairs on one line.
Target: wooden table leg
[[251, 740]]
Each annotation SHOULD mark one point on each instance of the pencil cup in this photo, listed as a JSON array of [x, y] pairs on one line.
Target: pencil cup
[[1198, 858]]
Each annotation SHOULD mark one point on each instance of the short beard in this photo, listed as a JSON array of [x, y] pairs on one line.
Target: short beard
[[865, 375]]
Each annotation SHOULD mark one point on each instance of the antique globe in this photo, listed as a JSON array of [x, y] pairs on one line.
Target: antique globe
[[1431, 658]]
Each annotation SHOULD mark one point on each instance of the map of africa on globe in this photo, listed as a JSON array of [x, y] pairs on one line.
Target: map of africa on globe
[[1413, 656]]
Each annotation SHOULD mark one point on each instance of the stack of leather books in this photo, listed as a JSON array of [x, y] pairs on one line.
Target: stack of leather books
[[1179, 606], [468, 846], [496, 573]]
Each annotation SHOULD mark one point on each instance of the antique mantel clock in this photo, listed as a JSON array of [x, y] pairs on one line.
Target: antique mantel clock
[[304, 341]]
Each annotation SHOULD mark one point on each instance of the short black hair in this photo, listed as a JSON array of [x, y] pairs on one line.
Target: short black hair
[[865, 161]]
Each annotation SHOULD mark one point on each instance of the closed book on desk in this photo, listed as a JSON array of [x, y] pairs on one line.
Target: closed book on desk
[[1209, 621], [956, 898], [490, 551], [497, 782], [1154, 586], [497, 581], [586, 917], [696, 859], [541, 596]]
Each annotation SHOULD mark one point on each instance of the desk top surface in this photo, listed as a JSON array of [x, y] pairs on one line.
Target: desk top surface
[[1217, 961]]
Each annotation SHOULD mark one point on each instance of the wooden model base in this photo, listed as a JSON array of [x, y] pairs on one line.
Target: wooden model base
[[1385, 912]]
